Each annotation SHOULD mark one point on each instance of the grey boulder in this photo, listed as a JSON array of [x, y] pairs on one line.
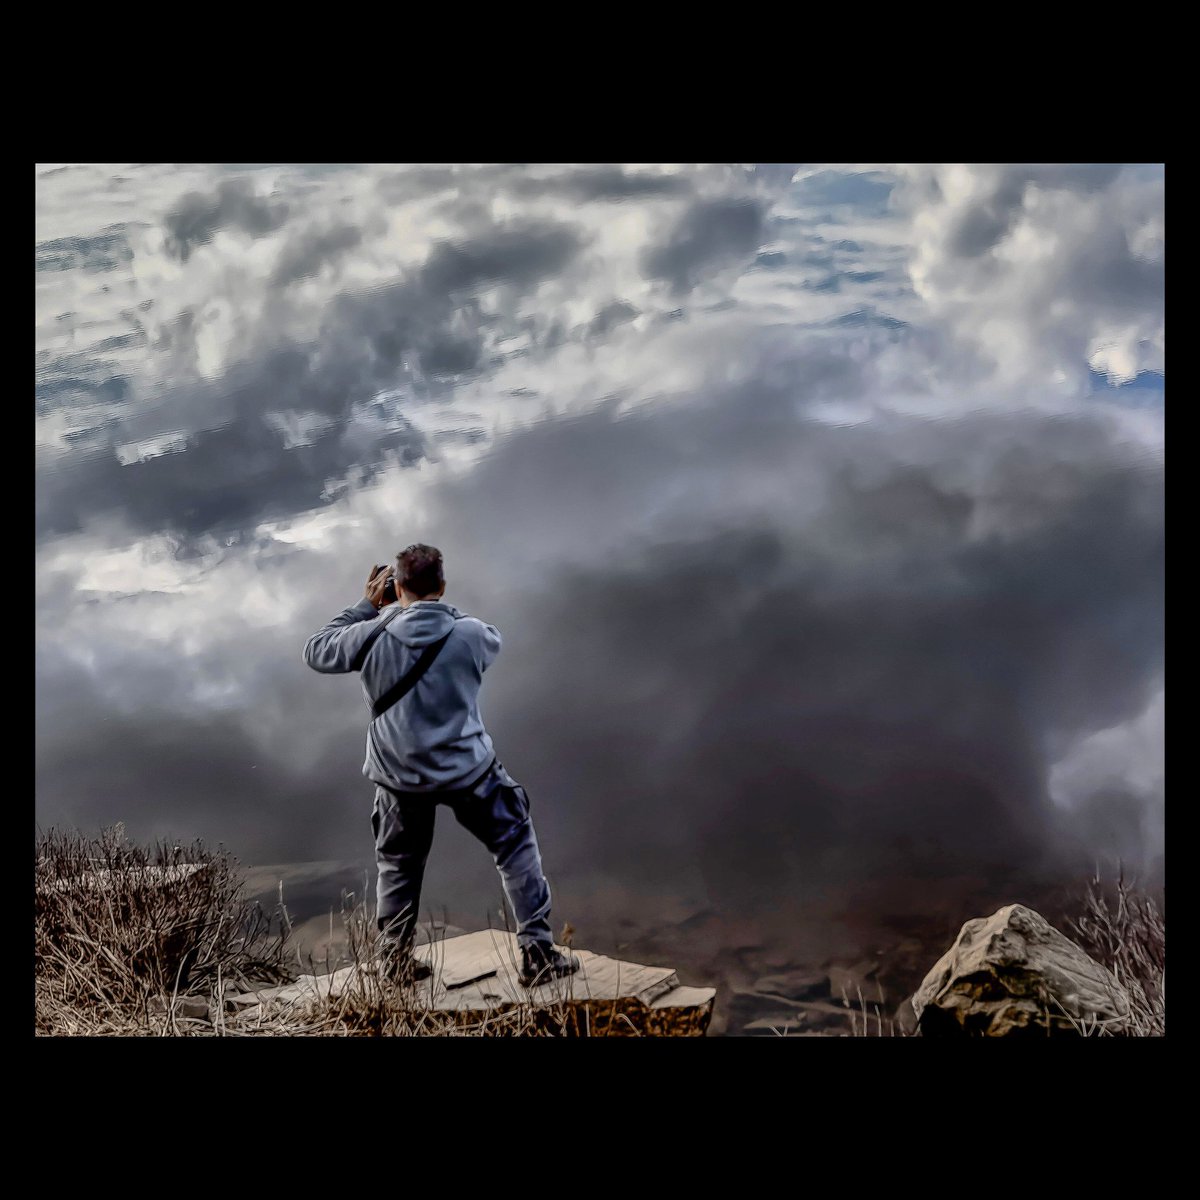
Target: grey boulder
[[1014, 974]]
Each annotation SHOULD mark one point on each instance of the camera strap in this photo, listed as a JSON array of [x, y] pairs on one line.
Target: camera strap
[[401, 689], [372, 637]]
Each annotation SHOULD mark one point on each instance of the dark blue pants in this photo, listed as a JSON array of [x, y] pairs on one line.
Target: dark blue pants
[[495, 808]]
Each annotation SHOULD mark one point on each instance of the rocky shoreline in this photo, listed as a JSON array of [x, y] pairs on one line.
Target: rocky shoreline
[[855, 980]]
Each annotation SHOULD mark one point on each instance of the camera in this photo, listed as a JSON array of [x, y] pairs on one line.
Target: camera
[[390, 595]]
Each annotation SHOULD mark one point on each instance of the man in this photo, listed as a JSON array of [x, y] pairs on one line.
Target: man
[[429, 747]]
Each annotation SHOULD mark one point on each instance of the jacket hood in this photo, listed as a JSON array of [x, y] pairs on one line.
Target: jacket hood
[[423, 621]]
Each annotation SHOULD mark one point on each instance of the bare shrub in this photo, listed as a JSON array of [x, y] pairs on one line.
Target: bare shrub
[[117, 926], [1123, 927]]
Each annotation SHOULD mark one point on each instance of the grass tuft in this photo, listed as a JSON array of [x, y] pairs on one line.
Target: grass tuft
[[1123, 927]]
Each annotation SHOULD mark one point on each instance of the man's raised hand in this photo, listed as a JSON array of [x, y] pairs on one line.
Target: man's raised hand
[[376, 582]]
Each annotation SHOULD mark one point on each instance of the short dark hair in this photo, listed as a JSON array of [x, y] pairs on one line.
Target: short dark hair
[[419, 568]]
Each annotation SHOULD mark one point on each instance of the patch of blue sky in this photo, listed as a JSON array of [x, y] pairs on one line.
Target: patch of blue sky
[[836, 281], [105, 251], [79, 390], [851, 276], [866, 192], [1146, 390], [90, 434]]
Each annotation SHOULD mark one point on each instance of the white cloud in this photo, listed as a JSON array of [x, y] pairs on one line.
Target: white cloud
[[1125, 762], [1043, 271]]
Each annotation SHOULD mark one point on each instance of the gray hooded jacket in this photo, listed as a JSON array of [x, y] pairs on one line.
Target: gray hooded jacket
[[434, 737]]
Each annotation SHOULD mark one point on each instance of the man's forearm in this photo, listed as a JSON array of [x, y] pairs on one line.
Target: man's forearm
[[332, 648]]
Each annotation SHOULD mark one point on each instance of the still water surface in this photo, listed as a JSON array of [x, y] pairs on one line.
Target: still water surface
[[820, 509]]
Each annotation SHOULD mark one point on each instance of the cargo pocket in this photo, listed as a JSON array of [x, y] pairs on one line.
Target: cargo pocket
[[380, 812], [522, 797]]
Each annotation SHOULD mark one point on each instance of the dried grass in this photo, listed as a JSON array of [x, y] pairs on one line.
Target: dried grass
[[1123, 927], [117, 926], [131, 942], [867, 1018]]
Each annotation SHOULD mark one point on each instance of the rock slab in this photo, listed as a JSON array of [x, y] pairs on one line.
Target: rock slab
[[1014, 974], [476, 974]]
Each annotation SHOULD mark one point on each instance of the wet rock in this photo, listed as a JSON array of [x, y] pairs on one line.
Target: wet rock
[[776, 958], [195, 1008], [745, 1007], [848, 981], [795, 984], [775, 1025], [829, 1016]]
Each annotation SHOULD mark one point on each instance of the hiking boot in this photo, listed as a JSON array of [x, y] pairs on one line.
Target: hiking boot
[[542, 961], [402, 967]]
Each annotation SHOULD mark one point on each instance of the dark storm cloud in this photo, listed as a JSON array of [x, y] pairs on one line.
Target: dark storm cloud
[[833, 652], [419, 183], [843, 677], [236, 467], [305, 255], [619, 312], [988, 221], [984, 224], [432, 316], [771, 259], [198, 215], [610, 183], [516, 257], [1117, 281], [226, 479], [710, 234], [183, 775]]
